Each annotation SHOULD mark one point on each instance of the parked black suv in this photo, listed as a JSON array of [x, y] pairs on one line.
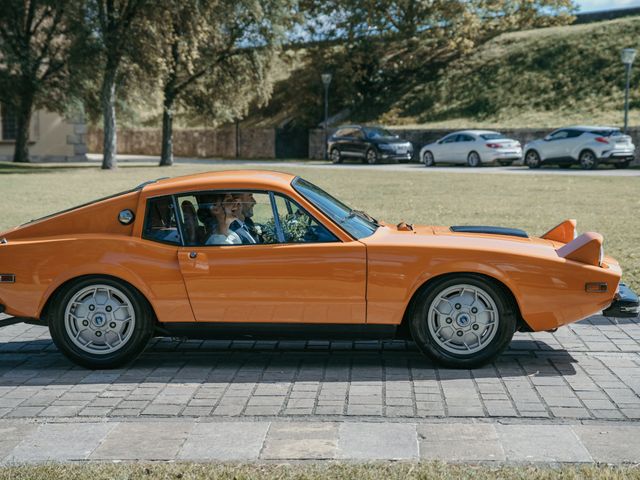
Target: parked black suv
[[371, 144]]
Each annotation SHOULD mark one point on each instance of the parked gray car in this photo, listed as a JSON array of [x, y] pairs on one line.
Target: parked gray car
[[584, 145]]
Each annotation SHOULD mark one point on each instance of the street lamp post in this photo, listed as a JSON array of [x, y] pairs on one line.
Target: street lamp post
[[326, 81], [628, 55]]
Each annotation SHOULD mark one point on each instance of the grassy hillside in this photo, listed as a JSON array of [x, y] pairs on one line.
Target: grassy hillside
[[537, 78]]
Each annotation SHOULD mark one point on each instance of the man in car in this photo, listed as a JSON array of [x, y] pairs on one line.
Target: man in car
[[244, 225]]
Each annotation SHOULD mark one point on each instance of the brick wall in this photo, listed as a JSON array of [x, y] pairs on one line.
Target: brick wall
[[419, 138]]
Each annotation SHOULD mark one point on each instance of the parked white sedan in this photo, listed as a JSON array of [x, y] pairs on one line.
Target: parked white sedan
[[473, 147]]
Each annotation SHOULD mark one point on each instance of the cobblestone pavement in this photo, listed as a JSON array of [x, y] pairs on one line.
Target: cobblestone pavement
[[588, 370]]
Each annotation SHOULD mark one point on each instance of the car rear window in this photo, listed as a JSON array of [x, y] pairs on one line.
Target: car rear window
[[491, 136], [606, 133]]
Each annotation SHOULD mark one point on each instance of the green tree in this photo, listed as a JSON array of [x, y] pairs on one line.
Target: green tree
[[36, 45], [381, 45], [121, 31], [216, 57]]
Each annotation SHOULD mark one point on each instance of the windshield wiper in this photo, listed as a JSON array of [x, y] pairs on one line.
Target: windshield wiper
[[361, 214]]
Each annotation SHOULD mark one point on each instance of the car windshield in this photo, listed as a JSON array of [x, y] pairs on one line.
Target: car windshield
[[607, 133], [491, 136], [357, 224], [374, 132]]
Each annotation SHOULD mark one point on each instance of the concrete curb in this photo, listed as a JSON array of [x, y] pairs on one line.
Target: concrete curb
[[264, 441]]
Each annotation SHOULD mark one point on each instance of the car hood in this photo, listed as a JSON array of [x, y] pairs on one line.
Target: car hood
[[403, 235]]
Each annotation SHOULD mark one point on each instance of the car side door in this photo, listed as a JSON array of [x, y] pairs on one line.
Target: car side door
[[572, 144], [466, 143], [360, 144], [555, 145], [447, 148], [297, 271]]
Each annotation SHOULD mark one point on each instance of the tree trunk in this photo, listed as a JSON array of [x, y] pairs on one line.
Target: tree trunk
[[108, 101], [166, 157], [23, 127]]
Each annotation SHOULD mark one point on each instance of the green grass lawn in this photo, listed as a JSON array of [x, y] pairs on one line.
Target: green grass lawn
[[378, 471], [608, 205]]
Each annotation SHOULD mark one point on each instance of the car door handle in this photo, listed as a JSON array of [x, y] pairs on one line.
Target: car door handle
[[193, 262]]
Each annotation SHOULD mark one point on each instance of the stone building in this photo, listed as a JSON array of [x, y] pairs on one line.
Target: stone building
[[52, 137]]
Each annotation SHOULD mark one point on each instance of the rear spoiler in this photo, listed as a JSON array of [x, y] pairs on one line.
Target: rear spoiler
[[565, 232]]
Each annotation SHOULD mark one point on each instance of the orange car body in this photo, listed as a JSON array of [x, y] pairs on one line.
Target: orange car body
[[367, 282]]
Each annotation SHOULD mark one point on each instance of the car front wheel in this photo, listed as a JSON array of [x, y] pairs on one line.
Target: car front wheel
[[427, 159], [532, 159], [371, 157], [100, 322], [463, 321], [588, 160], [335, 156]]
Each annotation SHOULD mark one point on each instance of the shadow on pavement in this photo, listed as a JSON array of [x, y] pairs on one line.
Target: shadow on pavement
[[39, 363]]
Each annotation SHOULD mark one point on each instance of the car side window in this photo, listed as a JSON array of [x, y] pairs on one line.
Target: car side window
[[227, 218], [359, 134], [298, 226], [574, 133], [342, 133], [466, 138], [450, 139], [160, 221], [559, 135]]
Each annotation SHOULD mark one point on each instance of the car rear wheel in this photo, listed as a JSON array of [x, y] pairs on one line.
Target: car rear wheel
[[427, 159], [621, 165], [588, 160], [463, 321], [473, 159], [100, 322], [532, 159], [335, 156], [371, 157]]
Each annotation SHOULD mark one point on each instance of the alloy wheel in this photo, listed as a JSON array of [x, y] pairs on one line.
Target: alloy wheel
[[428, 159], [99, 319], [463, 319]]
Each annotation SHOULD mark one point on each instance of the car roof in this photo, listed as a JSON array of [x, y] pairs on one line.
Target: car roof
[[589, 127], [478, 132], [227, 179]]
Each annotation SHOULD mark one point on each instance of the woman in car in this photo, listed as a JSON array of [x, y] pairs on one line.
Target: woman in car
[[224, 210]]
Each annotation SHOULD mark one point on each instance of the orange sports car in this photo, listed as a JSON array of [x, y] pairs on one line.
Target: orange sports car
[[258, 253]]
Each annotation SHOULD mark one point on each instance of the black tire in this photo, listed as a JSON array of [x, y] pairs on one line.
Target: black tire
[[428, 344], [142, 329], [473, 159], [371, 157], [621, 165], [532, 159], [588, 160], [428, 159], [505, 163], [335, 156]]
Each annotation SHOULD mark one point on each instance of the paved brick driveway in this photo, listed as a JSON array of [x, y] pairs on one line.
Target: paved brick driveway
[[586, 371]]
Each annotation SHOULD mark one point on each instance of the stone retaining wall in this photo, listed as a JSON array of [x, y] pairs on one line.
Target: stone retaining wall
[[227, 142]]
